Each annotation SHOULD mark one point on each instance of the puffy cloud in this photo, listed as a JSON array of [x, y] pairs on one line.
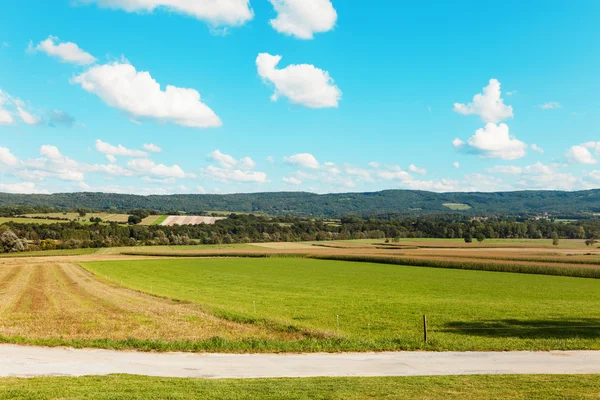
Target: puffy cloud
[[111, 158], [21, 187], [394, 175], [417, 170], [119, 150], [292, 181], [227, 175], [442, 185], [146, 166], [489, 106], [51, 152], [537, 148], [551, 105], [305, 160], [110, 169], [215, 12], [152, 148], [494, 141], [303, 18], [7, 158], [581, 155], [505, 169], [457, 143], [121, 86], [67, 51], [303, 84], [456, 164], [228, 161], [359, 173]]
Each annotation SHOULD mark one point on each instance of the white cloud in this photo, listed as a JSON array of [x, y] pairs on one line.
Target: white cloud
[[7, 158], [456, 164], [581, 155], [119, 150], [119, 85], [394, 175], [374, 164], [537, 148], [494, 141], [442, 185], [292, 181], [21, 187], [110, 169], [489, 106], [457, 143], [146, 166], [360, 173], [270, 160], [51, 152], [28, 118], [417, 170], [305, 160], [229, 162], [152, 148], [551, 105], [111, 158], [303, 18], [234, 175], [83, 186], [303, 84], [214, 12], [512, 93], [67, 51]]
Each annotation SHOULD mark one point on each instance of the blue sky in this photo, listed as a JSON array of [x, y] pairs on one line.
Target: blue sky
[[302, 95]]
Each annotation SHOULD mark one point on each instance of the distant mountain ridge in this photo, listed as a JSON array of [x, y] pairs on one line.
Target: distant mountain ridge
[[409, 202]]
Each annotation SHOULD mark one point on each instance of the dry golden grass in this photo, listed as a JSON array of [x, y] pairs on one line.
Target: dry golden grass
[[61, 300]]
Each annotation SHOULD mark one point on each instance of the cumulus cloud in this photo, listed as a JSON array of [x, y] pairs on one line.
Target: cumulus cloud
[[121, 86], [227, 175], [145, 166], [302, 84], [494, 141], [537, 148], [21, 187], [66, 51], [489, 105], [303, 18], [417, 170], [292, 181], [228, 161], [27, 117], [118, 150], [394, 175], [505, 169], [214, 12], [7, 158], [151, 147], [441, 185], [305, 160], [551, 105], [581, 155], [456, 164]]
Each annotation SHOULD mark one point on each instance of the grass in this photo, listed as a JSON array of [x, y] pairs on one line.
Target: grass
[[366, 306], [50, 253], [457, 206], [117, 387], [159, 220], [517, 243]]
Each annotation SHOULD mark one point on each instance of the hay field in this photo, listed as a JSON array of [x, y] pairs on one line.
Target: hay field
[[61, 303], [106, 217], [189, 220]]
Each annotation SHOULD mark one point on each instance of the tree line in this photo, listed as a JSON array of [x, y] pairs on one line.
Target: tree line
[[255, 229]]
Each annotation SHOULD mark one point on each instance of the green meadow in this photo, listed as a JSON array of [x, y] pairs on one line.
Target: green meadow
[[368, 306], [121, 387]]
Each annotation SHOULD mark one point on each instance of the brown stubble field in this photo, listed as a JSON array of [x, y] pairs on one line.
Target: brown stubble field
[[40, 300]]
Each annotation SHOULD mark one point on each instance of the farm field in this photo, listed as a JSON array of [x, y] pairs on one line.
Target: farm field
[[106, 217], [117, 387], [374, 306], [189, 220]]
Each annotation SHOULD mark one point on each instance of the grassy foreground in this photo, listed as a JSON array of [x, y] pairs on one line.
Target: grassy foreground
[[365, 306], [117, 387]]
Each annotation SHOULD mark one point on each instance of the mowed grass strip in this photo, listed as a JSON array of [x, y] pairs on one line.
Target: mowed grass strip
[[62, 304], [378, 306], [117, 387]]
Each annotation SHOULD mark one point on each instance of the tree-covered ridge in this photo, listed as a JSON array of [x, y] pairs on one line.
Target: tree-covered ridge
[[384, 203]]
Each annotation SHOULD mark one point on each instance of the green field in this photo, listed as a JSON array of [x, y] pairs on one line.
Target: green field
[[117, 387], [364, 306], [156, 220], [50, 253], [457, 206]]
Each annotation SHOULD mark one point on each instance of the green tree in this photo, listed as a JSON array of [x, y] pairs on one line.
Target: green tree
[[11, 242], [480, 237], [468, 238], [134, 219], [555, 240]]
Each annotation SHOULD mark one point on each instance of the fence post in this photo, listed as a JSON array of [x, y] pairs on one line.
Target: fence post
[[425, 328]]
